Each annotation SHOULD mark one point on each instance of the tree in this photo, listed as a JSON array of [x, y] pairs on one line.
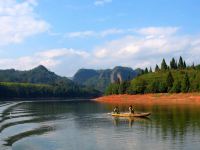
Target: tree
[[123, 87], [153, 87], [163, 87], [138, 86], [169, 81], [108, 90], [180, 63], [184, 65], [157, 68], [173, 64], [176, 87], [141, 72], [185, 83], [146, 70], [163, 65]]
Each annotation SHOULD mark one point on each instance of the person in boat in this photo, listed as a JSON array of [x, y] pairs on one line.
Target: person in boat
[[116, 110], [131, 110]]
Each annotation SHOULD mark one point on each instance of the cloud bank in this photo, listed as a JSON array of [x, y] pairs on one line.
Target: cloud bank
[[97, 34], [18, 21], [144, 48]]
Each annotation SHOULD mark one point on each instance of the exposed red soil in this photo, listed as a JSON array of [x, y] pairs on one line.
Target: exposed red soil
[[152, 99]]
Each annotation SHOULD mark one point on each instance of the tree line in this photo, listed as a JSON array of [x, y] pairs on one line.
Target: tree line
[[29, 90], [174, 78], [173, 65]]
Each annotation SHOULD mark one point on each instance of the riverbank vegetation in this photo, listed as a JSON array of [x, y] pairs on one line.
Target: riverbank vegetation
[[173, 78], [29, 90], [39, 82]]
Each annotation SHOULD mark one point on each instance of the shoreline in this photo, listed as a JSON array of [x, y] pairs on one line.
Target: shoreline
[[152, 99]]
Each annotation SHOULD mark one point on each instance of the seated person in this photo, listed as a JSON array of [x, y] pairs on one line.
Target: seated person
[[116, 110], [131, 110]]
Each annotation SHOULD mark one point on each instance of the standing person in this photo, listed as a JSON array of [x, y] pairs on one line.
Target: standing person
[[116, 110], [131, 110]]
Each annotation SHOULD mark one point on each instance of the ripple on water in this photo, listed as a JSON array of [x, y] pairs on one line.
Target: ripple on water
[[61, 125]]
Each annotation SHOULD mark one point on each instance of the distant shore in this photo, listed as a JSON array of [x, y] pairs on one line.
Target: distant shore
[[152, 99]]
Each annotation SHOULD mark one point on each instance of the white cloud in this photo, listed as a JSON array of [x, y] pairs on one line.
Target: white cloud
[[54, 53], [90, 33], [148, 32], [132, 51], [111, 32], [19, 21], [144, 50], [49, 58], [101, 2], [158, 31], [80, 34]]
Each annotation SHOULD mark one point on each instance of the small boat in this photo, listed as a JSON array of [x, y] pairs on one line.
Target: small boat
[[131, 115]]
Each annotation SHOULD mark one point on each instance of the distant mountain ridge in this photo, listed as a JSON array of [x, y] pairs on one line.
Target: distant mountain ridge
[[84, 78], [100, 79], [40, 75], [39, 82]]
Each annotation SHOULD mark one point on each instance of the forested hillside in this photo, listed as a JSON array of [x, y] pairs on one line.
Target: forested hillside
[[39, 74], [175, 78], [40, 83]]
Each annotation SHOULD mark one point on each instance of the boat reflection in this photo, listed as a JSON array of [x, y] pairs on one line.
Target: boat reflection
[[129, 120]]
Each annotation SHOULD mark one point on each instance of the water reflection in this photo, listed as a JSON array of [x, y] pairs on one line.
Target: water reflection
[[174, 127], [129, 120]]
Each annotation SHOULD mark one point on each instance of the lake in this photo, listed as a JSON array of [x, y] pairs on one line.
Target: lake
[[87, 125]]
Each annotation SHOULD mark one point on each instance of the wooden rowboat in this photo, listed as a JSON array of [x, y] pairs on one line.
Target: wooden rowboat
[[131, 115]]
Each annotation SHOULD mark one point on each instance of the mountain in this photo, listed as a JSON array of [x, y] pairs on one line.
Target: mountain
[[40, 75], [40, 83], [100, 79]]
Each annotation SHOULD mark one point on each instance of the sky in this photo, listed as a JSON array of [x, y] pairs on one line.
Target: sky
[[67, 35]]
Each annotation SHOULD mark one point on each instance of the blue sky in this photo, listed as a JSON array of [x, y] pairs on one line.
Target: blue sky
[[66, 35]]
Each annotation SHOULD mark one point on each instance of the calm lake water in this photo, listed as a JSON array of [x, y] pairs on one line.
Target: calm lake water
[[86, 125]]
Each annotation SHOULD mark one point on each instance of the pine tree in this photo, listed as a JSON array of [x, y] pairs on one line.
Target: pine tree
[[180, 63], [169, 81], [157, 68], [173, 64], [146, 70], [185, 83], [163, 65], [184, 65]]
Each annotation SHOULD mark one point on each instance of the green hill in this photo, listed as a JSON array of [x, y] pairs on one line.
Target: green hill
[[187, 80], [175, 78], [40, 83], [39, 75]]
